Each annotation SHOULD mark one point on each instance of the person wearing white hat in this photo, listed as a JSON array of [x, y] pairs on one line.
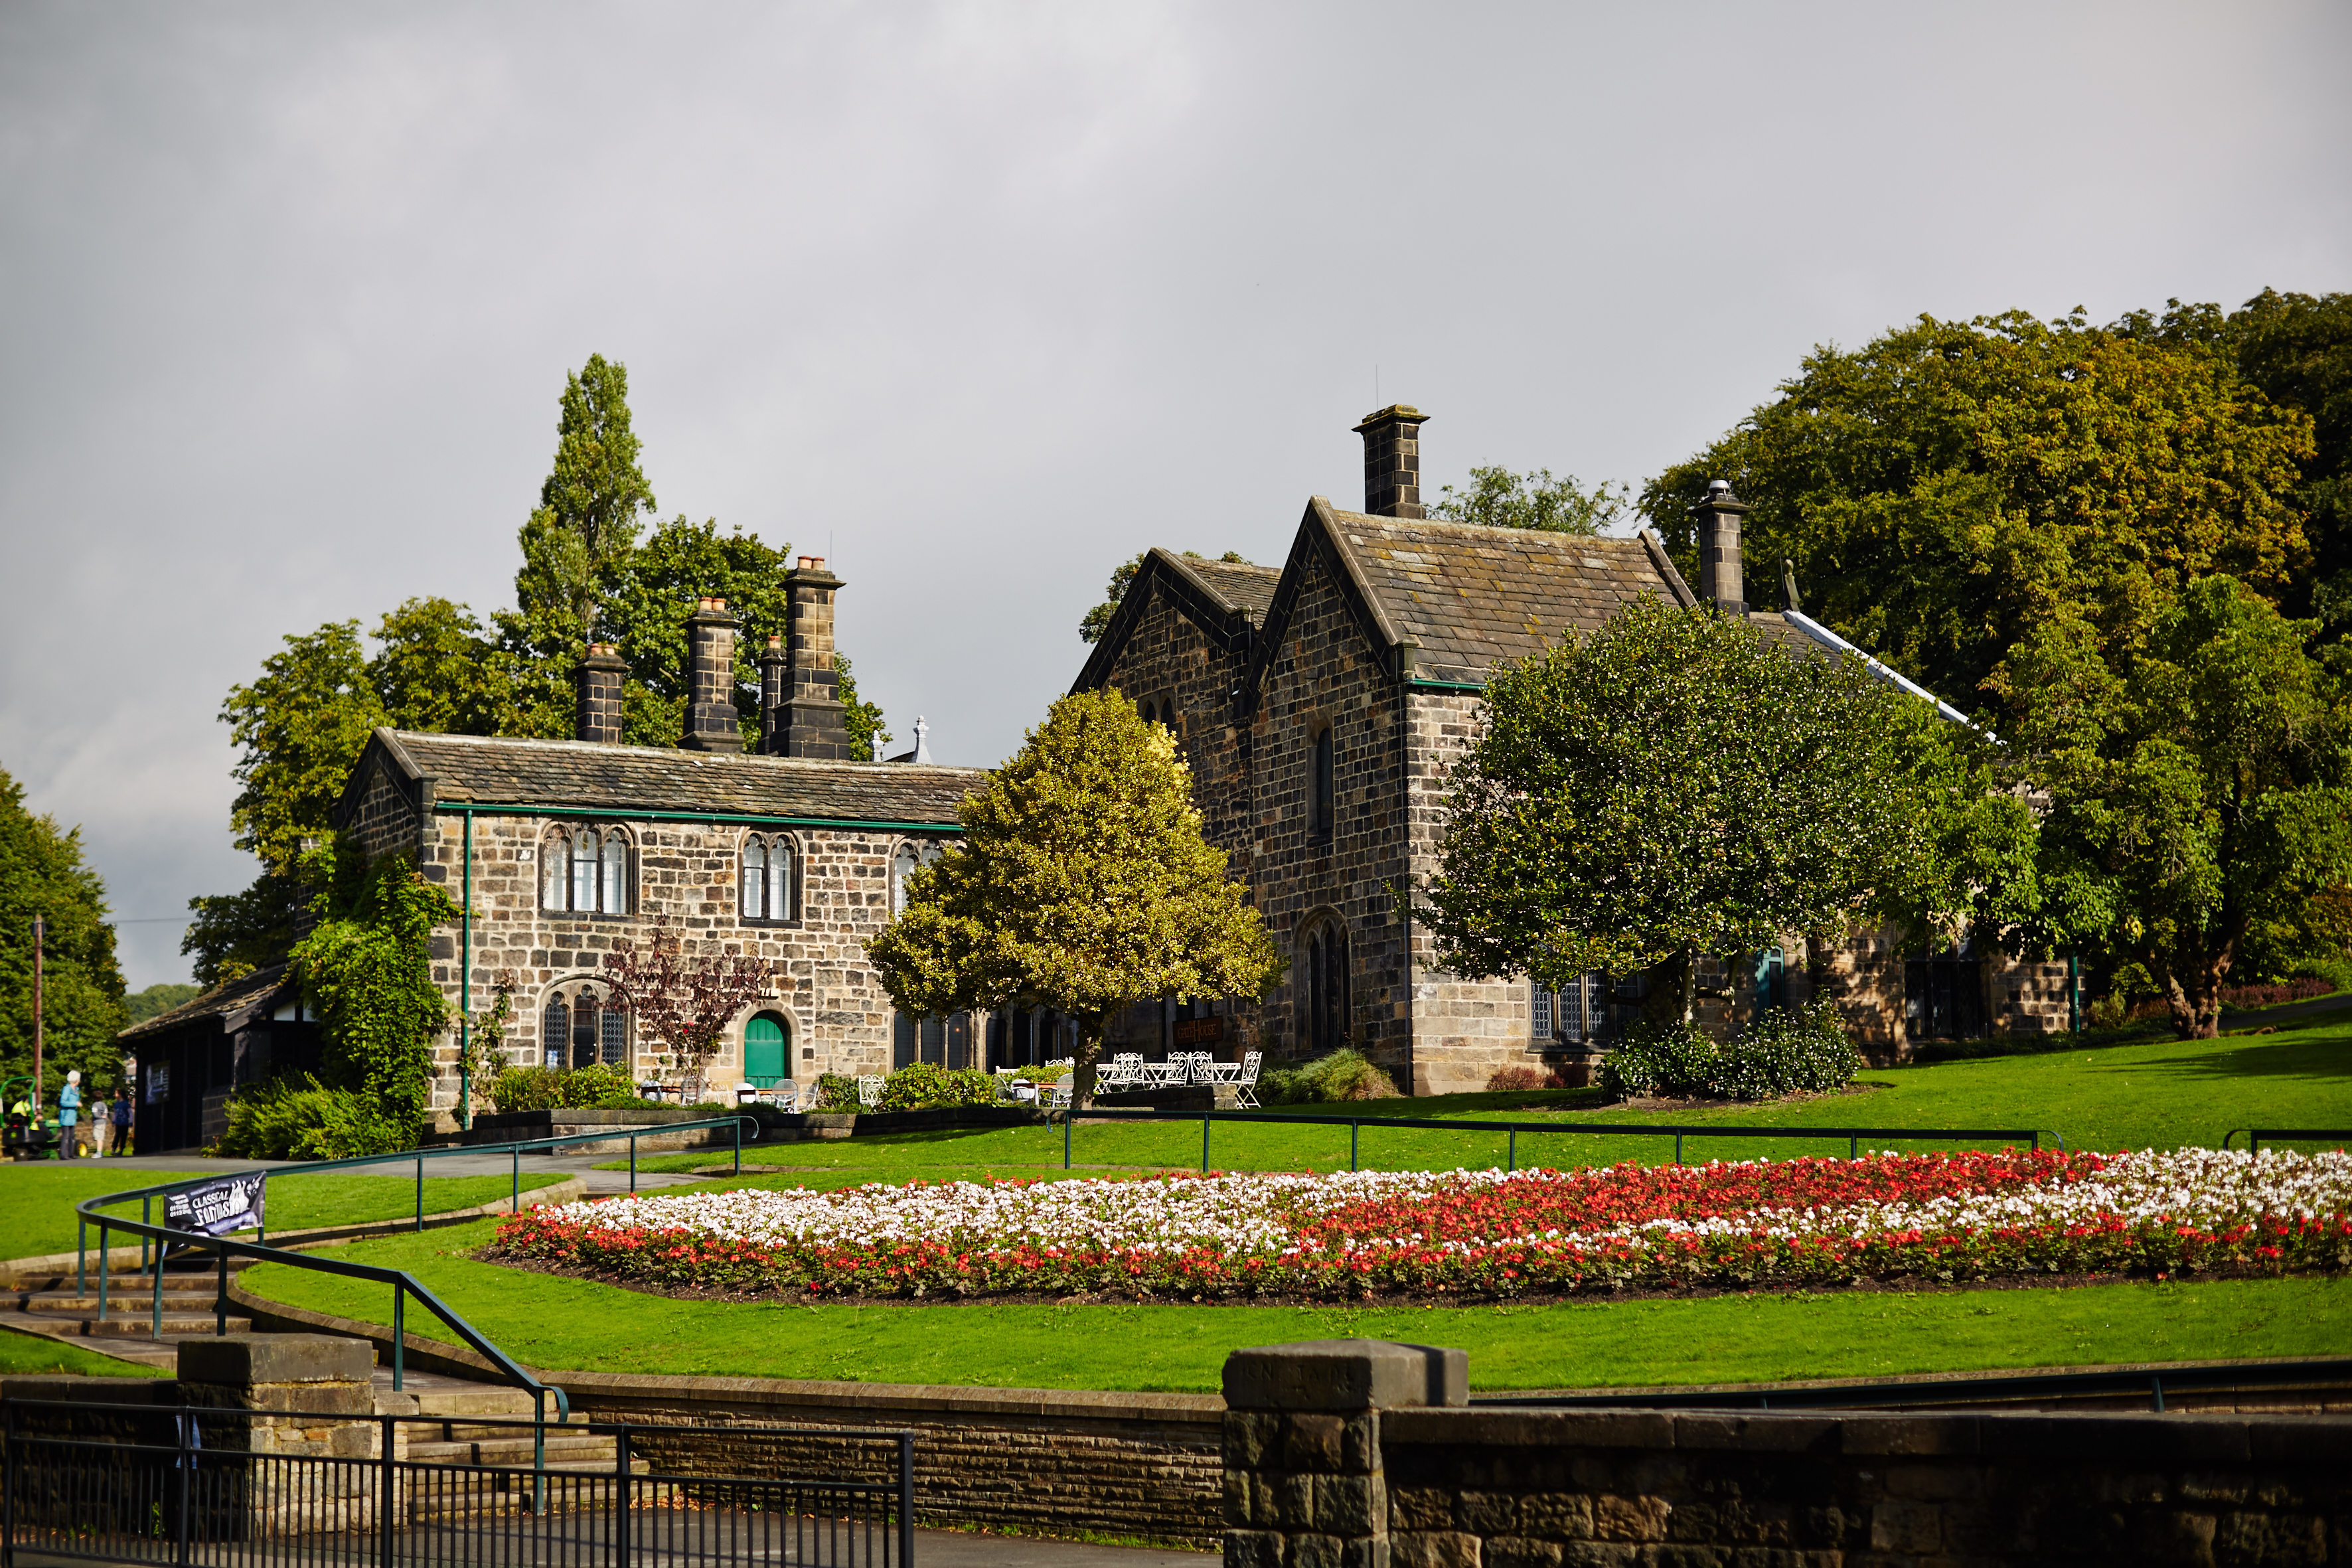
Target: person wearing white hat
[[69, 1113]]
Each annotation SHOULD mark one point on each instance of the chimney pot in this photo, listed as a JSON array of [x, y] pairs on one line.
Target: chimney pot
[[1392, 460]]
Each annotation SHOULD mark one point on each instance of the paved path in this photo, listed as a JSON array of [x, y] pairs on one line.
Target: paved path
[[958, 1549]]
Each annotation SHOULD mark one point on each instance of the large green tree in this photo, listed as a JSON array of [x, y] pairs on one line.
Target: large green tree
[[1672, 786], [1499, 498], [42, 873], [594, 496], [2198, 763], [1082, 884], [2297, 348], [1940, 487]]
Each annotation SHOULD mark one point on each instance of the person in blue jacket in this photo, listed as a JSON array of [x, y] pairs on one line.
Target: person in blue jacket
[[69, 1113], [123, 1121]]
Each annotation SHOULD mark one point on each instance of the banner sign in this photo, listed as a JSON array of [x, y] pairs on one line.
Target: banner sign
[[233, 1202], [1200, 1031]]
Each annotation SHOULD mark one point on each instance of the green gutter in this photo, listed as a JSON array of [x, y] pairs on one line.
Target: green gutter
[[747, 818], [1417, 684]]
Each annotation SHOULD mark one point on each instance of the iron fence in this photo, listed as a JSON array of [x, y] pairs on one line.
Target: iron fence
[[214, 1488]]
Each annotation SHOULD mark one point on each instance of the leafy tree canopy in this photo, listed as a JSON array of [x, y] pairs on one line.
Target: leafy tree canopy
[[2298, 349], [157, 1000], [1083, 884], [592, 499], [42, 873], [1097, 621], [1940, 488], [1672, 786], [2198, 765], [1499, 498]]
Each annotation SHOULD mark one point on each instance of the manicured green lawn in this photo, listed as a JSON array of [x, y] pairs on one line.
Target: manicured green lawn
[[35, 1355], [551, 1322], [2162, 1094], [37, 1202]]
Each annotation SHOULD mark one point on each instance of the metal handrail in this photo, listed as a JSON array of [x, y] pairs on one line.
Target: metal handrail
[[404, 1284], [2254, 1135], [1355, 1124]]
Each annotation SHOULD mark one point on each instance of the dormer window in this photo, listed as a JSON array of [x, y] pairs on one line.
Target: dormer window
[[587, 870], [767, 885]]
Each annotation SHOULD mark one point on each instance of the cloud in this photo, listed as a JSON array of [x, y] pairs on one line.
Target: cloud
[[980, 299]]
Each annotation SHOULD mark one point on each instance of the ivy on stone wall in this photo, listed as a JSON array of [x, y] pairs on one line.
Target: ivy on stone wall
[[366, 970]]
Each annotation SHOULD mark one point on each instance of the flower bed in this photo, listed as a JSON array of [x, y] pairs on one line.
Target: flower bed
[[1481, 1233]]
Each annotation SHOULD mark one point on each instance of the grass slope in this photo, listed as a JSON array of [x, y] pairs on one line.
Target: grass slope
[[552, 1321], [2159, 1094], [37, 1202], [25, 1355]]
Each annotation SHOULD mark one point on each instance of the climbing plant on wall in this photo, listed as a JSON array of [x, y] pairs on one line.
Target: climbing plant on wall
[[366, 970]]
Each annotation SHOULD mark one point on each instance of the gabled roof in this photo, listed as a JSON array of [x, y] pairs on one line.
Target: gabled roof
[[1226, 600], [1452, 599], [582, 775], [230, 1004]]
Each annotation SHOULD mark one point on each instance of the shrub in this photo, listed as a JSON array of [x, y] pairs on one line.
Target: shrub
[[836, 1091], [287, 1120], [1507, 1080], [595, 1087], [921, 1086], [1783, 1052], [1660, 1058], [1343, 1074]]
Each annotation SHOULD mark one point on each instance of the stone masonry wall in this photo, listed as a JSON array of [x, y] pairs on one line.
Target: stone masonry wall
[[1472, 1487], [386, 818], [1171, 663], [1328, 672], [1123, 1464], [841, 1019], [1462, 1030]]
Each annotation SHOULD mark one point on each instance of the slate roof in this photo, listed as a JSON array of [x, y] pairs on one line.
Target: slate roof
[[227, 1002], [1246, 588], [582, 775]]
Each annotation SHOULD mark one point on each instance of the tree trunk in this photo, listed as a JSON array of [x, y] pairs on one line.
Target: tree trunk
[[1091, 1029], [1672, 997]]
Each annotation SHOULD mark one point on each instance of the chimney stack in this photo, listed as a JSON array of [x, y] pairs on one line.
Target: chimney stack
[[1392, 461], [775, 681], [1718, 518], [596, 714], [807, 720], [710, 722]]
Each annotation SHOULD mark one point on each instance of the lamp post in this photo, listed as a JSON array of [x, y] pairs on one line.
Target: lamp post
[[40, 1008]]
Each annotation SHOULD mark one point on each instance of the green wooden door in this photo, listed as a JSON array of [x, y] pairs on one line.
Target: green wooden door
[[763, 1051]]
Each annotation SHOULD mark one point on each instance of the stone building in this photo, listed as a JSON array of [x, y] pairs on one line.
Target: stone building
[[795, 853], [1319, 706]]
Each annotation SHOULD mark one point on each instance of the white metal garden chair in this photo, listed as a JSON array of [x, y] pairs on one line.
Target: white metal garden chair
[[1245, 1082], [869, 1091], [1055, 1095]]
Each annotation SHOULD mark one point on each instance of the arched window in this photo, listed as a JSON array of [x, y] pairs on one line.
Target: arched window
[[1325, 809], [587, 870], [555, 1032], [616, 1043], [767, 1051], [1323, 1002], [1150, 713], [768, 880], [903, 865]]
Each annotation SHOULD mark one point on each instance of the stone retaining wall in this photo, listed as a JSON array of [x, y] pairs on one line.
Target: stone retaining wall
[[1356, 1452]]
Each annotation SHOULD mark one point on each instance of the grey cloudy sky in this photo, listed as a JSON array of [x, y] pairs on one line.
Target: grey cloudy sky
[[980, 300]]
